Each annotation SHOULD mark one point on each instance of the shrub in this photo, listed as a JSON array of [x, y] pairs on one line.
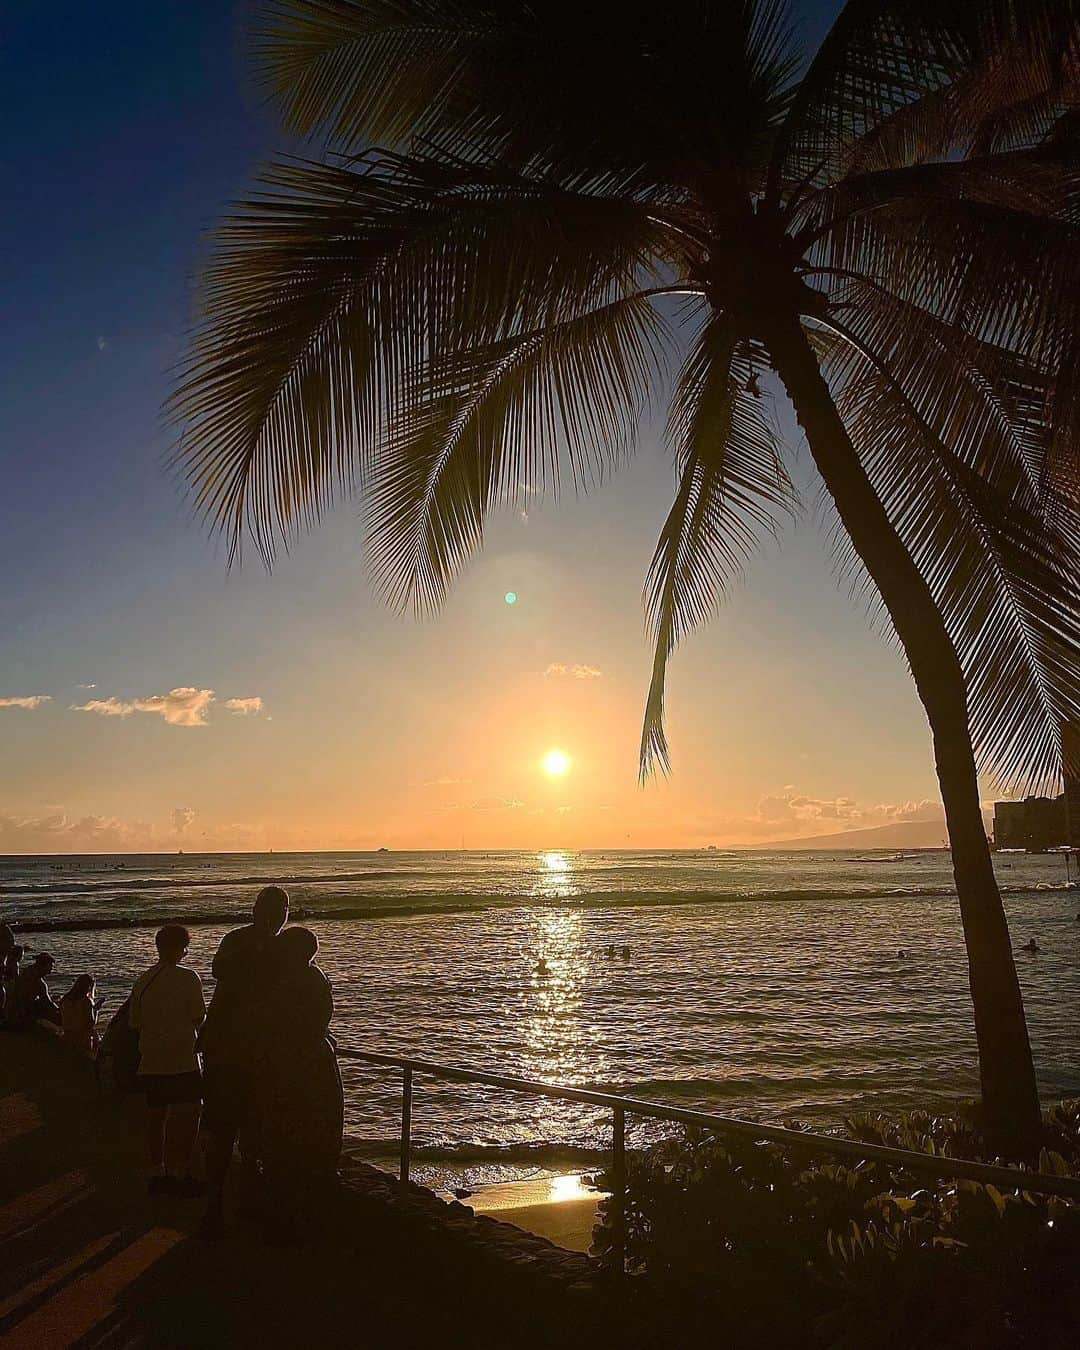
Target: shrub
[[779, 1248]]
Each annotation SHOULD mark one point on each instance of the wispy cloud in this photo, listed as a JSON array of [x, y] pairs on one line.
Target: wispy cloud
[[788, 813], [788, 805], [181, 707], [86, 686], [558, 670], [496, 804], [445, 782], [246, 707], [27, 701], [184, 706], [182, 817]]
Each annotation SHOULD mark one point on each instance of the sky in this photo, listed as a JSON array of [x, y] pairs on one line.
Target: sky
[[150, 698]]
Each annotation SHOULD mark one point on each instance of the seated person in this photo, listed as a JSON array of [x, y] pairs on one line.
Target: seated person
[[9, 971], [78, 1015], [30, 999]]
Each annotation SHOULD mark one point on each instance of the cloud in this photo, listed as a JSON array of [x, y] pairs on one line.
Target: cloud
[[788, 813], [790, 805], [246, 707], [184, 706], [181, 817], [445, 782], [60, 833], [86, 686], [558, 670], [180, 707], [27, 701], [496, 804]]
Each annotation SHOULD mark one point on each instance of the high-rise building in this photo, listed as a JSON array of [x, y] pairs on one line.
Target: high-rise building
[[1070, 744], [1035, 824]]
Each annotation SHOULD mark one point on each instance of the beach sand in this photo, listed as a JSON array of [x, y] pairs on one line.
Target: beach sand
[[559, 1208]]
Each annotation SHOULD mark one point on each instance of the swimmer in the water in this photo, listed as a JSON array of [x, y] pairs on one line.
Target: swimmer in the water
[[1031, 946], [542, 967], [609, 951], [902, 954], [625, 953]]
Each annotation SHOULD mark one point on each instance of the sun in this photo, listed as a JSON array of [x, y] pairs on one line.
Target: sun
[[555, 763]]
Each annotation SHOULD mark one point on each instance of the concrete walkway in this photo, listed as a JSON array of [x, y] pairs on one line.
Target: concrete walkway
[[88, 1260]]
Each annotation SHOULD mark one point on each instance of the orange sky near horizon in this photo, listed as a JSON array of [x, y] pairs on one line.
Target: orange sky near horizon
[[293, 712]]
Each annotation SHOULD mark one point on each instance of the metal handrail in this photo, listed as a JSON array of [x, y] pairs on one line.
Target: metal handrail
[[934, 1165]]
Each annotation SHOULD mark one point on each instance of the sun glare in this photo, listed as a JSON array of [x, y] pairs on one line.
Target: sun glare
[[555, 763]]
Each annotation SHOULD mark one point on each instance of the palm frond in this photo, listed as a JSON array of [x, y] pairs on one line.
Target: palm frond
[[903, 83], [732, 487], [328, 295], [605, 94], [1043, 181], [1004, 573], [489, 421]]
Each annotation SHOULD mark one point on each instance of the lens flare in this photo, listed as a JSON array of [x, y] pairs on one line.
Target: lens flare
[[510, 597]]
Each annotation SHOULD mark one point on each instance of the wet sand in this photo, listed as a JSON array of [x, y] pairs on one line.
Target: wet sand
[[559, 1208]]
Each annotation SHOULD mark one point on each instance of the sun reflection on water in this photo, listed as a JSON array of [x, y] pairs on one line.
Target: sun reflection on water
[[554, 1028], [555, 878]]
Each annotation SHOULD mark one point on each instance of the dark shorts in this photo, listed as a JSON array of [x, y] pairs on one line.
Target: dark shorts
[[228, 1097], [171, 1089]]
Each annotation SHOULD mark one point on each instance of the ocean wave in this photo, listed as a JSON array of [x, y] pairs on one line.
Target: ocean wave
[[540, 1154], [419, 906], [65, 889]]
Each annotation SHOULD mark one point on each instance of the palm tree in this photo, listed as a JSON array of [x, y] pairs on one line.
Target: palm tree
[[584, 211]]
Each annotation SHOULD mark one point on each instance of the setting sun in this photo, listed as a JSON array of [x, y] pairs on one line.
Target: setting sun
[[555, 763]]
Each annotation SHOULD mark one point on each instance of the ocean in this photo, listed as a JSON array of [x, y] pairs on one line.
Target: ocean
[[757, 983]]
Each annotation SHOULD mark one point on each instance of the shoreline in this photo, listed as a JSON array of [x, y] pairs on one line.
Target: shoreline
[[559, 1207]]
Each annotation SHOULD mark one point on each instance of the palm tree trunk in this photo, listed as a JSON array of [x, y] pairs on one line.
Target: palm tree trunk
[[1009, 1095]]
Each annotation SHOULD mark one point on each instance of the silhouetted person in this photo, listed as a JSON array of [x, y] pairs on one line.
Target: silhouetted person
[[298, 1080], [167, 1010], [78, 1016], [9, 972], [542, 967], [625, 953], [231, 1042], [1031, 946], [30, 998]]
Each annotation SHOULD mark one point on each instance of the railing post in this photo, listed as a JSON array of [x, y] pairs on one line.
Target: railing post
[[406, 1128], [618, 1188]]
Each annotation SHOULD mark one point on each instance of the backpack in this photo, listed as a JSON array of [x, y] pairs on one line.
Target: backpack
[[119, 1051]]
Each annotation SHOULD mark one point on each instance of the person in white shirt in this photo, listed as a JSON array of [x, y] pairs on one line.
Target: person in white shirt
[[167, 1009]]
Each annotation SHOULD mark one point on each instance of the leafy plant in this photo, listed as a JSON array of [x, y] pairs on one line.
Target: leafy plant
[[807, 1250]]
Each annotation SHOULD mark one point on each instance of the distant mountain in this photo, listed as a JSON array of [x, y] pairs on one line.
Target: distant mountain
[[904, 834]]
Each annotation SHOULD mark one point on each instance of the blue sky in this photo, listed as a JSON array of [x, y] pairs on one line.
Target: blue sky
[[135, 126]]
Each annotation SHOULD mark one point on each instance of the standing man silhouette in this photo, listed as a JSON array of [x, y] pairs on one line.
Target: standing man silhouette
[[231, 1044]]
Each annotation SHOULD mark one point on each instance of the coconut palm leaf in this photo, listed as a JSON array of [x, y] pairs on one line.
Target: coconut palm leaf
[[502, 418], [732, 490], [636, 94], [1003, 571], [900, 83], [334, 296]]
